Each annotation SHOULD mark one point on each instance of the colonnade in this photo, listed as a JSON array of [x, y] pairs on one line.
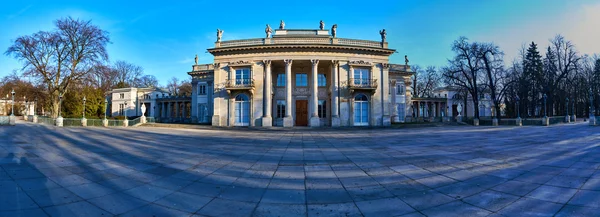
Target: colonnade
[[174, 111], [428, 109]]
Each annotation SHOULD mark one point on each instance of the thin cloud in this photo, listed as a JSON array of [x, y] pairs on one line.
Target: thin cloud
[[19, 12], [578, 26]]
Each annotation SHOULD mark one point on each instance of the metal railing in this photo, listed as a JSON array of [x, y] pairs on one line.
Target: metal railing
[[150, 120], [115, 123], [135, 121], [4, 120], [94, 123], [46, 120], [239, 83], [71, 122], [362, 83]]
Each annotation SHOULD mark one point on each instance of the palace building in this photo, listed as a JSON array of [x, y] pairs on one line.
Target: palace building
[[300, 77]]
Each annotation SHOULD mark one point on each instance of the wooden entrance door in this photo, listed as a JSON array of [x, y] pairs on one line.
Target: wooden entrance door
[[454, 110], [301, 112]]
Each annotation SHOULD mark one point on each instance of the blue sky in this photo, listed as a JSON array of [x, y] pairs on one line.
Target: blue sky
[[164, 37]]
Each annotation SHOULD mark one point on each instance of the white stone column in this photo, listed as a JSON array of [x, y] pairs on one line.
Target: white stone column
[[194, 103], [395, 118], [217, 96], [335, 116], [267, 120], [183, 110], [314, 119], [385, 93], [176, 115], [288, 120]]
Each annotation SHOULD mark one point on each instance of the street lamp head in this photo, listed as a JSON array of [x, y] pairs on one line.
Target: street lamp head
[[105, 101], [84, 99], [13, 92]]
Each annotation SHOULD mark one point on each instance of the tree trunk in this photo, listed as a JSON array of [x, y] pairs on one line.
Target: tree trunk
[[55, 104]]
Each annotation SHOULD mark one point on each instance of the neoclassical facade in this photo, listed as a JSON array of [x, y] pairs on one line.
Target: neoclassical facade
[[300, 77]]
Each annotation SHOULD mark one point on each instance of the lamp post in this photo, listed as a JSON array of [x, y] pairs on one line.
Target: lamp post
[[35, 107], [545, 106], [59, 105], [125, 110], [12, 109], [105, 107], [84, 107]]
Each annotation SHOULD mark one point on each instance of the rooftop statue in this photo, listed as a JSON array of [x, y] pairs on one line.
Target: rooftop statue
[[282, 25], [322, 25], [219, 35], [196, 59], [268, 30], [383, 35], [405, 59], [334, 30]]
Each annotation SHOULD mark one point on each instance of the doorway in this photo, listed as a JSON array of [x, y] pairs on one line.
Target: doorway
[[301, 112]]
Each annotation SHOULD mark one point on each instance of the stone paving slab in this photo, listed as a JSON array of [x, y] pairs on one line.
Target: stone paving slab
[[434, 171]]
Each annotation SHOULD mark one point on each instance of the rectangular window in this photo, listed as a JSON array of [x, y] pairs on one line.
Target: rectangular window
[[361, 76], [322, 109], [281, 80], [121, 96], [301, 80], [242, 76], [400, 89], [322, 80], [280, 109], [121, 108], [202, 89]]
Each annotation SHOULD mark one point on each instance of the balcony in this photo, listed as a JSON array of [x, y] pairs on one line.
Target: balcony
[[361, 84], [239, 84]]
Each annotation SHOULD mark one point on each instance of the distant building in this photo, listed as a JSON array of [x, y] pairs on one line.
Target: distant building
[[128, 101]]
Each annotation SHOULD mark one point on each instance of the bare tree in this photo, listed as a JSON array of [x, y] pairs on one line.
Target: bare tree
[[173, 85], [147, 81], [496, 77], [463, 70], [425, 81], [561, 60], [60, 57], [185, 87], [128, 74]]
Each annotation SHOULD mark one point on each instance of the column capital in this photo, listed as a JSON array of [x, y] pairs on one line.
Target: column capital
[[267, 63], [335, 63], [315, 62], [287, 62], [217, 65], [385, 65]]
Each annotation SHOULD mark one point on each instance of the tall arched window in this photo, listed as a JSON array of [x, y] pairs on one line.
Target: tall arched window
[[361, 110], [242, 110]]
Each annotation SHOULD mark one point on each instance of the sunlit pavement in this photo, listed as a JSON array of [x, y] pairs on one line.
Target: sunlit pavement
[[429, 171]]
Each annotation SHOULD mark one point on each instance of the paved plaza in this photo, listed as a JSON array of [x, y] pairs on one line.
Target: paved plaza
[[417, 171]]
